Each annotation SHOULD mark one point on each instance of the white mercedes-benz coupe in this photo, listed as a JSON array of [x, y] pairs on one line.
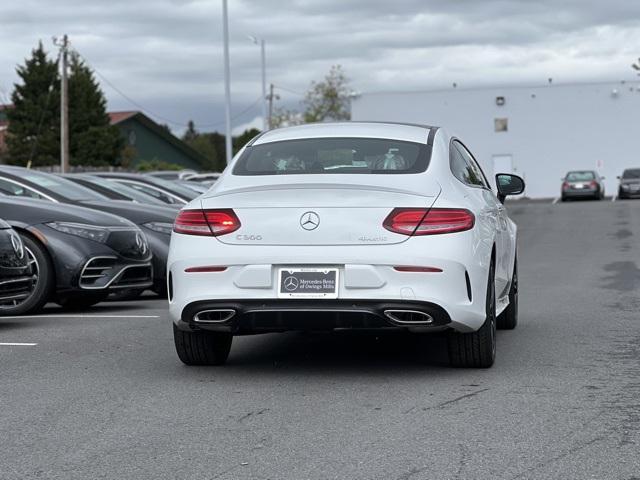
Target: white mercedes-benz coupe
[[356, 225]]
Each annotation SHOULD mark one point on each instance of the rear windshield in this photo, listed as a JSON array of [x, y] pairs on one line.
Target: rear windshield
[[318, 156], [579, 176], [633, 173]]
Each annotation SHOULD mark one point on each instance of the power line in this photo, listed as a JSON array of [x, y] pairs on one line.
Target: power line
[[279, 87], [154, 114]]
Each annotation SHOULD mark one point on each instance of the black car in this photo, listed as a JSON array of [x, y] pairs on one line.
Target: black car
[[629, 183], [155, 221], [115, 190], [582, 184], [164, 190], [16, 279], [78, 255]]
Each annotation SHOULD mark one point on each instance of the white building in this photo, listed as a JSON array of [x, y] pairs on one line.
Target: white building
[[537, 132]]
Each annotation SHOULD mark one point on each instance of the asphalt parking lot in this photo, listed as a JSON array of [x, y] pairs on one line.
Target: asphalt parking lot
[[103, 395]]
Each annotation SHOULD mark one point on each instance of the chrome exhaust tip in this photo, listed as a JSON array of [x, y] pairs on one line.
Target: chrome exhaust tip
[[220, 315], [408, 317]]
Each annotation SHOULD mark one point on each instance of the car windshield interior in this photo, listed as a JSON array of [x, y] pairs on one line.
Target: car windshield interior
[[634, 173], [580, 176], [333, 156]]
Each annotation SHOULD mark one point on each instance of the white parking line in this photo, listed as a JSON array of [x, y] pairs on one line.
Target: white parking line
[[555, 200], [15, 344], [613, 199], [81, 316]]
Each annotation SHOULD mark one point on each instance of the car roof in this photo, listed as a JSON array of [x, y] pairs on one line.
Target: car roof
[[396, 131]]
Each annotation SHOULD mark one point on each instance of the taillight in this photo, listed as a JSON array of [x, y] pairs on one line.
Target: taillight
[[593, 184], [206, 222], [422, 221], [565, 186]]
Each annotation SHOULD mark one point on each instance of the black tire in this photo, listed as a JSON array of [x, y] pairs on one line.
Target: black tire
[[81, 301], [508, 319], [160, 289], [477, 349], [202, 348], [42, 267]]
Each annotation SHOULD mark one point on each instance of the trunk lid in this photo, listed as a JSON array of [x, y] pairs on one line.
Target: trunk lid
[[317, 214]]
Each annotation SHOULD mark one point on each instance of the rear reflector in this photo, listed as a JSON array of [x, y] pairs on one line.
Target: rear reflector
[[408, 268], [209, 268], [206, 222], [422, 221]]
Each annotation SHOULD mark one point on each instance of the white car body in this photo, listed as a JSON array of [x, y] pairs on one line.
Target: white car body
[[350, 237]]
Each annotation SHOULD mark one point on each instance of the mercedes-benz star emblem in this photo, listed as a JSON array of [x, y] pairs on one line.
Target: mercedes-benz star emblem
[[291, 283], [141, 244], [309, 220], [17, 246]]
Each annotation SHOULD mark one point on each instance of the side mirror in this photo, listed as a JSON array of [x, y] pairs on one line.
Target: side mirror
[[508, 184]]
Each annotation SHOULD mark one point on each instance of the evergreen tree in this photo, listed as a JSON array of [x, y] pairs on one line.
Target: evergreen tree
[[191, 133], [34, 120], [242, 139], [92, 139]]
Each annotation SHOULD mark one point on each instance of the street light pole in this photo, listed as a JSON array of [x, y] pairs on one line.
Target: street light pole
[[265, 121], [263, 64], [227, 82]]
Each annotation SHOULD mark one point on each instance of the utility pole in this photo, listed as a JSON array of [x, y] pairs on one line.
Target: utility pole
[[64, 105], [263, 65], [265, 121], [271, 97], [227, 82]]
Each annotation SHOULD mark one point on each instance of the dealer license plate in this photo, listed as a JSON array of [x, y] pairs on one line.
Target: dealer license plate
[[308, 283]]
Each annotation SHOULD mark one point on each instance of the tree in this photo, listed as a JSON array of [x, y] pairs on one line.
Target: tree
[[203, 145], [283, 117], [242, 139], [92, 139], [33, 134], [191, 132], [329, 99], [212, 145]]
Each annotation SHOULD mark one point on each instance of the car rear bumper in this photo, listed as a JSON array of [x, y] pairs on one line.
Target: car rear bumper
[[368, 282], [586, 192], [259, 316]]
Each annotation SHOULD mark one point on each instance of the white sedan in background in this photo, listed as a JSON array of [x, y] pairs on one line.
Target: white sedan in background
[[347, 226]]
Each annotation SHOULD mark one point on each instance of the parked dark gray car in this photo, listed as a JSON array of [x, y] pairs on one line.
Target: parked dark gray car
[[78, 255], [629, 184], [582, 184], [155, 221]]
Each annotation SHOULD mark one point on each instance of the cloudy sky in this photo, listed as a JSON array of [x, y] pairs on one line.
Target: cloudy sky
[[166, 55]]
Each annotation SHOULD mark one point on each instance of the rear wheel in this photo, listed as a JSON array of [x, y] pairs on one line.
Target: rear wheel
[[202, 348], [477, 349], [44, 280], [508, 319]]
